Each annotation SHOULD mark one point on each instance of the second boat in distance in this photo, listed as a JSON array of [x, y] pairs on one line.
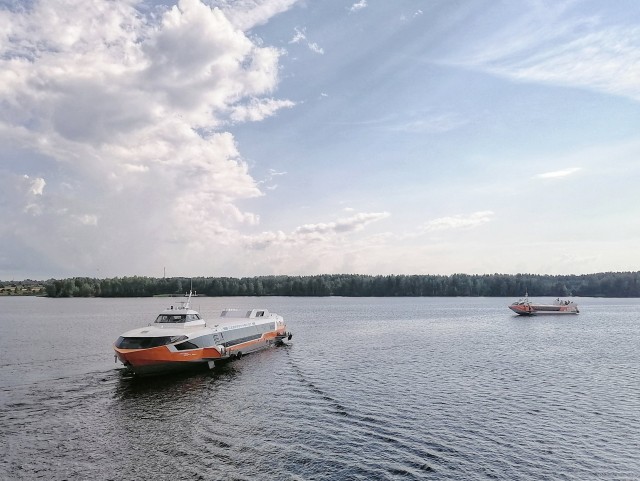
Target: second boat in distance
[[525, 307]]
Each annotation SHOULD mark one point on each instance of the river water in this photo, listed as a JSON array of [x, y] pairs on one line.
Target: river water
[[368, 389]]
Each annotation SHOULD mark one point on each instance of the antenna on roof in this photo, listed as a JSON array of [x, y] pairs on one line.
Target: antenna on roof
[[188, 305]]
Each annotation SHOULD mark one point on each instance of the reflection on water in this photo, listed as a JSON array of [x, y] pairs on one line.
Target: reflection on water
[[172, 386], [368, 389]]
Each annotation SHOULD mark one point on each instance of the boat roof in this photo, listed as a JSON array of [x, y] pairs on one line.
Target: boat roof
[[155, 330], [243, 313], [229, 318], [179, 311], [235, 318]]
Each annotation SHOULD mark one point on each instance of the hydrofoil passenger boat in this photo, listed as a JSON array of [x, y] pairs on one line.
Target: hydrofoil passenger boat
[[180, 338], [525, 307]]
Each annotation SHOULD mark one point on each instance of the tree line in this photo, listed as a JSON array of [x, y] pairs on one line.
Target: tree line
[[605, 284]]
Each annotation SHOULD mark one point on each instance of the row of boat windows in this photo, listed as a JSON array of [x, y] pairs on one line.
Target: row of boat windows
[[177, 318], [241, 340], [149, 342], [248, 331], [143, 342], [229, 338], [193, 344]]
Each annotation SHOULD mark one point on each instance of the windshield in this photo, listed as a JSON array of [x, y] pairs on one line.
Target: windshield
[[143, 342], [177, 318], [174, 318]]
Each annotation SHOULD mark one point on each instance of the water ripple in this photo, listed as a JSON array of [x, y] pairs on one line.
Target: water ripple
[[383, 389]]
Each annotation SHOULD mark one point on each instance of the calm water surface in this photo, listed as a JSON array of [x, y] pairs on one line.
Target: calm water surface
[[389, 389]]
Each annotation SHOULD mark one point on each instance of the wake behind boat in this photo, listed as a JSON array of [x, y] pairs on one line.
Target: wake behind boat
[[525, 307], [180, 338]]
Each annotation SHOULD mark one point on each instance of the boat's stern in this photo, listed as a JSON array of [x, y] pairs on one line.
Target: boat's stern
[[282, 334]]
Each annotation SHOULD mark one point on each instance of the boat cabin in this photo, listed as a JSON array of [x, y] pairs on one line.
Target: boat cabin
[[179, 318]]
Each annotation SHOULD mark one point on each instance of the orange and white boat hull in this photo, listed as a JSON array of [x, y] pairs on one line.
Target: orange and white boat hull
[[168, 358], [537, 309]]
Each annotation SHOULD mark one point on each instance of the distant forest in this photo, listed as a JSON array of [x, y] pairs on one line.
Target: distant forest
[[606, 284]]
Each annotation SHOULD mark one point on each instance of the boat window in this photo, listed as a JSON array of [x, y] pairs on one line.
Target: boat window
[[183, 346], [142, 342], [193, 317], [171, 318]]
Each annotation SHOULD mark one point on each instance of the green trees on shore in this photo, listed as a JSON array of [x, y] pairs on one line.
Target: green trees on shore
[[606, 284]]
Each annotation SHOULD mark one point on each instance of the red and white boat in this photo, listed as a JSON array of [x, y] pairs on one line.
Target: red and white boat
[[525, 307], [180, 338]]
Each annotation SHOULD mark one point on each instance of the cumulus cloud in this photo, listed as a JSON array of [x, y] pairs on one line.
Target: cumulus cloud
[[125, 113], [259, 109], [558, 174], [459, 221], [312, 233], [246, 14], [358, 6], [36, 186], [348, 224]]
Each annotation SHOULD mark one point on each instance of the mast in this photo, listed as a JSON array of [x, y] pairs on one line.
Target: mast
[[188, 305]]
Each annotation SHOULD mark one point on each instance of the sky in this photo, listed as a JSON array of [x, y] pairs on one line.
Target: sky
[[282, 137]]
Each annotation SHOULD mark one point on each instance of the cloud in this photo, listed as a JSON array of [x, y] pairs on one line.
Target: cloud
[[313, 233], [358, 6], [314, 47], [300, 36], [459, 221], [431, 124], [417, 13], [125, 113], [598, 61], [557, 44], [246, 14], [349, 224], [86, 219], [271, 176], [557, 174], [36, 186], [258, 109], [274, 173]]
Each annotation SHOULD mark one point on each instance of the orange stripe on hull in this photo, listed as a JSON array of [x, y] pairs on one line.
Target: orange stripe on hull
[[161, 354]]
